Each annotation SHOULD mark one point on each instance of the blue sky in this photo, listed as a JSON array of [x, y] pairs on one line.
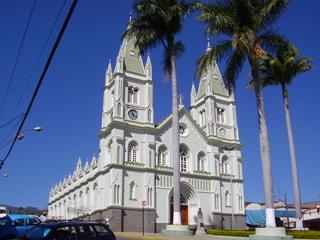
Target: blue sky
[[69, 103]]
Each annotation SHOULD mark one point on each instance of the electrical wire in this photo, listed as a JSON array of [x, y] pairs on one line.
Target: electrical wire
[[55, 46], [4, 99], [26, 86], [7, 123]]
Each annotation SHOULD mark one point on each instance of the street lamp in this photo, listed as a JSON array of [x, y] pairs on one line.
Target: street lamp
[[20, 136]]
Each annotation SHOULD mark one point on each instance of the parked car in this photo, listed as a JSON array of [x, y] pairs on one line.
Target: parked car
[[74, 230], [14, 226], [3, 211]]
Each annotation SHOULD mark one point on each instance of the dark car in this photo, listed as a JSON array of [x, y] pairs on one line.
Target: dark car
[[74, 230]]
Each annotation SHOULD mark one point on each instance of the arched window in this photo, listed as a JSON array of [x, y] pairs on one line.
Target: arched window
[[162, 156], [228, 199], [118, 154], [132, 191], [150, 158], [132, 152], [202, 117], [201, 161], [149, 115], [75, 203], [119, 109], [240, 203], [183, 160], [95, 195], [133, 95], [87, 203], [80, 199], [115, 194], [239, 168], [149, 197], [220, 115], [225, 167], [118, 194], [216, 201]]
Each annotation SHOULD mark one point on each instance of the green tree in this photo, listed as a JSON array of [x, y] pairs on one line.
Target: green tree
[[157, 22], [245, 26], [280, 70]]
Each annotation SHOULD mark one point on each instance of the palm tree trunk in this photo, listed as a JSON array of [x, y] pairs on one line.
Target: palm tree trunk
[[293, 160], [175, 145], [264, 147]]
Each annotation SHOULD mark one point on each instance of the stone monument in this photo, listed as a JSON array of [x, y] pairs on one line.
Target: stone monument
[[200, 224]]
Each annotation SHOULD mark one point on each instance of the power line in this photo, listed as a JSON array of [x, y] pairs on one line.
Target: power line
[[55, 46], [7, 123], [39, 58], [4, 99]]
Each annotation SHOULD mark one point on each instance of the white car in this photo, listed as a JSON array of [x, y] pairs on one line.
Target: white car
[[3, 211]]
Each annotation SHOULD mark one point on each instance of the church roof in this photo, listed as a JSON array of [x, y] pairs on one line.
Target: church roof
[[131, 56], [183, 111], [211, 82]]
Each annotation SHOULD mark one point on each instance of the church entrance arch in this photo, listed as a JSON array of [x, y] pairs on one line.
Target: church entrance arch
[[187, 202]]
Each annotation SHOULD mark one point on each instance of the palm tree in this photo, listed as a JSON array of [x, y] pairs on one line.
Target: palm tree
[[280, 70], [157, 22], [246, 28]]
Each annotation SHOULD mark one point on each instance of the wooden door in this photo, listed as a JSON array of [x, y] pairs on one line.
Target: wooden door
[[184, 215]]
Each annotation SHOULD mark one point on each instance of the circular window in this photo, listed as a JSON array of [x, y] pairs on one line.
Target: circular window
[[183, 130]]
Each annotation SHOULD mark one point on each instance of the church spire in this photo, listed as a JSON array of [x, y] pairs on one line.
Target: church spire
[[109, 72], [129, 58], [148, 67], [193, 94], [211, 81]]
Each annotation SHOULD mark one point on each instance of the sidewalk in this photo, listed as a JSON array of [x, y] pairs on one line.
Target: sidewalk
[[156, 236]]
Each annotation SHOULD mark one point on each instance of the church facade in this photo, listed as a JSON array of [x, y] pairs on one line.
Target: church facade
[[133, 176]]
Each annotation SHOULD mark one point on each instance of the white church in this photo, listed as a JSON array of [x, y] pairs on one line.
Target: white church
[[135, 165]]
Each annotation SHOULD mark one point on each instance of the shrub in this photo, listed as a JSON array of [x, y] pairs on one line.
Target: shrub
[[297, 234]]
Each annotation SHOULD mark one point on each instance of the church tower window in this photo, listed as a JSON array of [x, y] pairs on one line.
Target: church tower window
[[162, 156], [220, 115], [183, 160], [202, 118], [225, 168], [201, 161], [132, 152], [149, 115], [133, 95]]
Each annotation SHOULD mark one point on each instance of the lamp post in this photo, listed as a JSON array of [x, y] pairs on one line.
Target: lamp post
[[20, 136]]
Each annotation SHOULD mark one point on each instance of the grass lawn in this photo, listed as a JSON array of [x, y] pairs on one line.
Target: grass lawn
[[308, 234]]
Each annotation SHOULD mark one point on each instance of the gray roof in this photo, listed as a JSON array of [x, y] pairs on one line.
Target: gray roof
[[132, 58], [215, 84]]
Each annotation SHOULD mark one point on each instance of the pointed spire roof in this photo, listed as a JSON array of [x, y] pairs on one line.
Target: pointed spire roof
[[193, 88], [148, 67], [129, 58], [211, 81], [109, 72]]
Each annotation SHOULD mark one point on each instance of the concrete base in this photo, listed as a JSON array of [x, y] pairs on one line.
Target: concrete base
[[270, 234], [177, 230], [201, 232]]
